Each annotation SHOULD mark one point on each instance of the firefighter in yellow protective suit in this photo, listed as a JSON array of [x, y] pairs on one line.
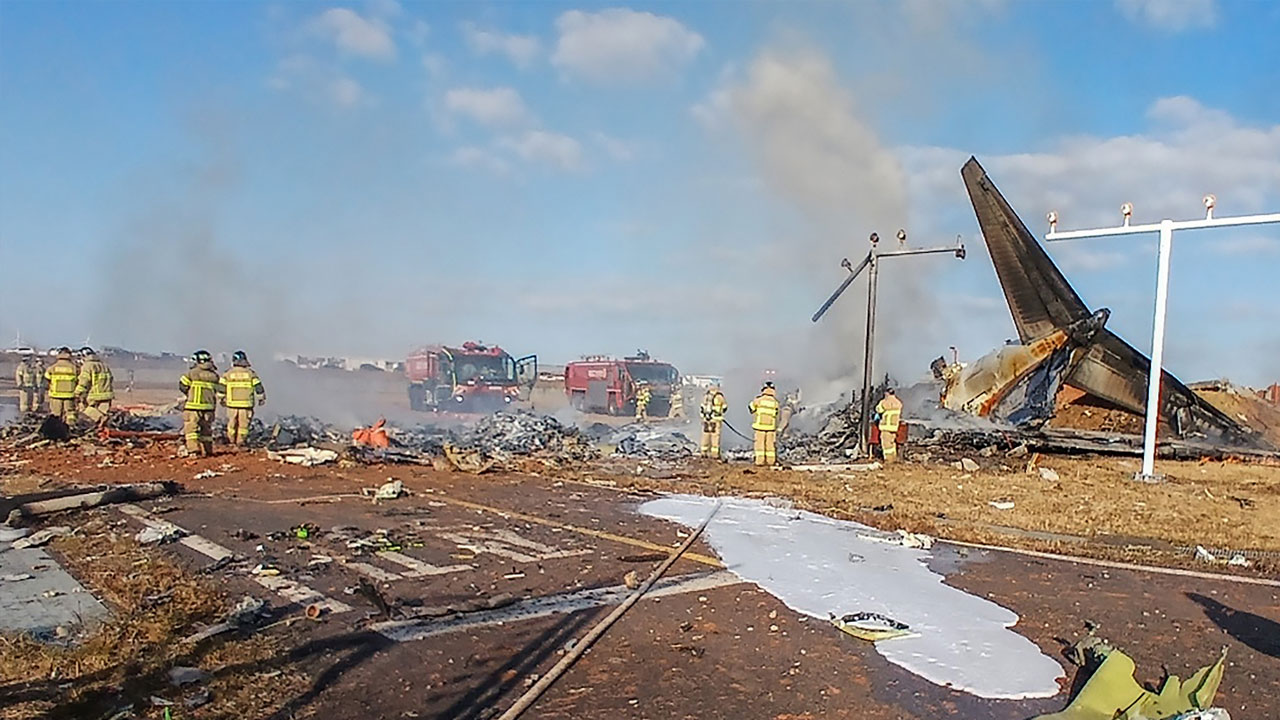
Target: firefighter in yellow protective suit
[[60, 378], [677, 402], [200, 384], [29, 378], [94, 389], [764, 410], [643, 395], [712, 410], [889, 411], [237, 389]]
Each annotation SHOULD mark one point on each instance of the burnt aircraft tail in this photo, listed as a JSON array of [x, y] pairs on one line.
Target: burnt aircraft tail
[[1042, 301]]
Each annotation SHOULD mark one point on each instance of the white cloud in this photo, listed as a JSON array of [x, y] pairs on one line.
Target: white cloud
[[621, 45], [1170, 15], [501, 106], [541, 146], [418, 32], [346, 92], [522, 50], [435, 64], [477, 158], [355, 34], [318, 82], [1248, 245], [1188, 151], [617, 149]]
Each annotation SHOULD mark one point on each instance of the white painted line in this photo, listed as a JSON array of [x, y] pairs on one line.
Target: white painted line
[[410, 630], [372, 571], [195, 542], [292, 591], [418, 568]]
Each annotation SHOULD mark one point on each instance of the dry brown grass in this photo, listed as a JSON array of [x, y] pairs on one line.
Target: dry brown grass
[[125, 660], [1226, 505]]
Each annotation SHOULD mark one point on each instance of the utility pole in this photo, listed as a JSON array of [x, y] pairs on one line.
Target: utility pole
[[872, 264], [1165, 228]]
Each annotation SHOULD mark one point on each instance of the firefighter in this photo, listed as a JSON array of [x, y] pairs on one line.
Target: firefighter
[[200, 385], [764, 410], [677, 402], [94, 389], [28, 376], [60, 378], [643, 394], [712, 410], [790, 406], [889, 414], [237, 389]]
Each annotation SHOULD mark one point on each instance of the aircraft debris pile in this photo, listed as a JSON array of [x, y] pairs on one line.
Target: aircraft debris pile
[[507, 434], [655, 444]]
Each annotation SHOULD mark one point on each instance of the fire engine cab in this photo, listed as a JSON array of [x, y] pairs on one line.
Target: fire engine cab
[[471, 378], [606, 385]]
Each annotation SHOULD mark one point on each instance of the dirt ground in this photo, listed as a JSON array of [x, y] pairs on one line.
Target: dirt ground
[[720, 651], [714, 647]]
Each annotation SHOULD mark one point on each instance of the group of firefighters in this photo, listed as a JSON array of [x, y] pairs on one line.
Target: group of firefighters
[[75, 384], [85, 387], [81, 384], [769, 417]]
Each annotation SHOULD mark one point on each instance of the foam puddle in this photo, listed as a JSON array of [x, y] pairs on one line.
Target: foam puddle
[[819, 566]]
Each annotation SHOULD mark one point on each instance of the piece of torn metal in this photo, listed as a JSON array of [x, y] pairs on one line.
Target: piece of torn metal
[[1111, 693], [304, 456], [870, 626]]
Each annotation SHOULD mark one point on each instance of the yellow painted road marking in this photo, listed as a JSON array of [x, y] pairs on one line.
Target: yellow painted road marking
[[704, 559]]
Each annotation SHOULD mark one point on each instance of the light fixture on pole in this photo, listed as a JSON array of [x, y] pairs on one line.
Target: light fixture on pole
[[872, 264], [1165, 228]]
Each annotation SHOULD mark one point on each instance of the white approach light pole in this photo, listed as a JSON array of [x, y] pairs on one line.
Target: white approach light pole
[[1165, 228]]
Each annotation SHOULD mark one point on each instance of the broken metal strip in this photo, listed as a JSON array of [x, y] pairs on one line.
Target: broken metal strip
[[1118, 565], [290, 590], [537, 607]]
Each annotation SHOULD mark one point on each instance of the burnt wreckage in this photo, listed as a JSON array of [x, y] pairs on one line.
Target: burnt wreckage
[[1062, 343]]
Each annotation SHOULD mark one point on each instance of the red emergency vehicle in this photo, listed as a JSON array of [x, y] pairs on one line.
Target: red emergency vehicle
[[607, 385], [471, 378]]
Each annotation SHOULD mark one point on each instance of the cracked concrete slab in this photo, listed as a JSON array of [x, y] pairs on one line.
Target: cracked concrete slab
[[49, 598]]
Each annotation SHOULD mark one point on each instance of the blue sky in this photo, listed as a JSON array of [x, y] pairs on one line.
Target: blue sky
[[571, 178]]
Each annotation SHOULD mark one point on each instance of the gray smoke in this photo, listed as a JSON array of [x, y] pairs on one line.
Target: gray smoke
[[813, 147]]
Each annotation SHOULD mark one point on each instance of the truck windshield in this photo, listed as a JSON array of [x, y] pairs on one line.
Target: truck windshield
[[652, 372], [490, 369]]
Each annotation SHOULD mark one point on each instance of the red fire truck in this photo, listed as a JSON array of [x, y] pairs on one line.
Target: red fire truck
[[601, 384], [471, 378]]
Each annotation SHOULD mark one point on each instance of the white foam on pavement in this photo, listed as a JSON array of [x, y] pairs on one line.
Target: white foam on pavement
[[819, 566]]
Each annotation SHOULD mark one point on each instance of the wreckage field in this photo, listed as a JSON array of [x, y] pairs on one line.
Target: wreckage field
[[445, 575]]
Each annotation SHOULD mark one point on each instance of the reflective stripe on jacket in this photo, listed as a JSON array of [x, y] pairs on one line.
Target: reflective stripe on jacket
[[239, 384], [714, 406], [765, 410], [95, 381], [890, 410], [201, 386], [62, 380]]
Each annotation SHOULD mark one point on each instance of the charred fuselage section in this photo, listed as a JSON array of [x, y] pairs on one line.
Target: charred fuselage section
[[1062, 342]]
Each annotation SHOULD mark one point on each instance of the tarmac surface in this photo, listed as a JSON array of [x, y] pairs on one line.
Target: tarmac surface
[[535, 561]]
